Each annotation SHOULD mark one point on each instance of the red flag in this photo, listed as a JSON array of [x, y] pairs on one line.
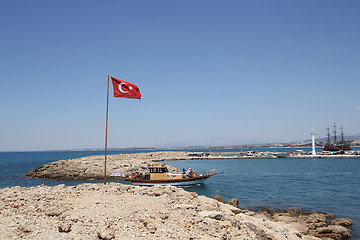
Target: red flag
[[125, 89]]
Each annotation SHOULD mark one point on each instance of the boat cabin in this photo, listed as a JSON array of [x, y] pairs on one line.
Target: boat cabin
[[160, 172], [158, 169]]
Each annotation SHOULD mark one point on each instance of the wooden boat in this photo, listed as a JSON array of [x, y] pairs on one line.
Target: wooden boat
[[160, 175]]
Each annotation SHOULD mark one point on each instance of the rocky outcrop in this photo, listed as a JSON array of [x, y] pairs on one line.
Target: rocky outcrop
[[310, 223], [117, 211], [92, 167], [234, 202], [219, 198], [342, 222]]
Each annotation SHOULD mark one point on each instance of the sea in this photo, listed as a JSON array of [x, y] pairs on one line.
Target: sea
[[330, 185]]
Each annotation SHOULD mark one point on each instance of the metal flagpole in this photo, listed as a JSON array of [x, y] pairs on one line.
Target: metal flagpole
[[106, 131]]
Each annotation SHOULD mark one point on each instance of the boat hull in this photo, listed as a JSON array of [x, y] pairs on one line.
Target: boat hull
[[337, 147], [173, 182], [184, 183]]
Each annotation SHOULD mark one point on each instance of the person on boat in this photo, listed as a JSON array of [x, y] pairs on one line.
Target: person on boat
[[189, 172], [183, 173]]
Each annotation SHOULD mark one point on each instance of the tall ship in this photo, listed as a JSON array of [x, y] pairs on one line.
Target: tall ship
[[336, 145]]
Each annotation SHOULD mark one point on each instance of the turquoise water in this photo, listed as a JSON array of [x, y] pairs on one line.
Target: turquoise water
[[14, 165], [329, 185]]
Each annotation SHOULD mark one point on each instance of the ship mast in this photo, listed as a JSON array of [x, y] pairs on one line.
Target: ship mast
[[328, 134], [334, 132], [342, 134]]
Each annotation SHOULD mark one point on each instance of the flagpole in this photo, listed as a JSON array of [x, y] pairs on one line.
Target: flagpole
[[106, 131]]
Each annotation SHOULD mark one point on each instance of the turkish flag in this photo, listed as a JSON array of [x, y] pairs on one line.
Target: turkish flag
[[125, 89]]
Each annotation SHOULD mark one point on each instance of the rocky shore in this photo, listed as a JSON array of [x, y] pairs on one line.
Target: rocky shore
[[92, 167], [96, 211], [318, 224], [117, 211]]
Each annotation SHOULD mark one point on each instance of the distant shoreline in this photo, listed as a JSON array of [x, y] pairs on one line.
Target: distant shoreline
[[167, 149]]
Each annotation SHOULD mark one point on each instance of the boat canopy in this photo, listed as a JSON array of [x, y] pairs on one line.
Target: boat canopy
[[158, 168]]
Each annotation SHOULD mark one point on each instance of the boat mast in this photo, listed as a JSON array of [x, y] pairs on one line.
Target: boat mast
[[334, 132], [328, 134], [342, 134]]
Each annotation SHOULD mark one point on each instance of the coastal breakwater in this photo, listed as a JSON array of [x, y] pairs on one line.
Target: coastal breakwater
[[118, 211], [92, 167]]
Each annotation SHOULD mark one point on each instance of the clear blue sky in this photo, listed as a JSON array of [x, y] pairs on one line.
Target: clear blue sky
[[210, 72]]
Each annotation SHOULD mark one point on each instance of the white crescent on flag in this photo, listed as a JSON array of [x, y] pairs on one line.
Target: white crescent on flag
[[121, 90]]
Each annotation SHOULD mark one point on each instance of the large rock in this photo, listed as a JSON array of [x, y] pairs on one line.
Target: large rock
[[342, 222], [219, 198], [64, 227], [337, 232], [330, 216], [234, 202], [343, 231], [313, 218], [106, 233]]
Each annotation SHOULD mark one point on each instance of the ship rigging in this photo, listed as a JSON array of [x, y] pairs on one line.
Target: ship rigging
[[342, 145]]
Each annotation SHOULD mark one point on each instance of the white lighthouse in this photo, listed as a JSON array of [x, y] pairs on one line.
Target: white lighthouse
[[313, 142]]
